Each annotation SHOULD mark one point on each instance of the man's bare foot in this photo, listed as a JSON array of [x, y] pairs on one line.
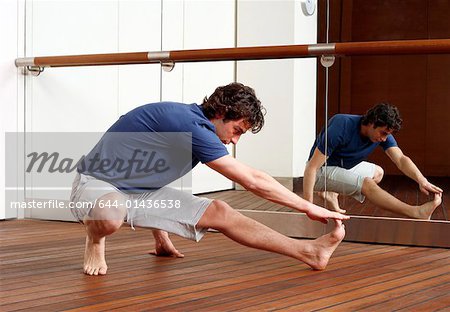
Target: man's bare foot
[[94, 257], [319, 251], [331, 198], [164, 246], [426, 210]]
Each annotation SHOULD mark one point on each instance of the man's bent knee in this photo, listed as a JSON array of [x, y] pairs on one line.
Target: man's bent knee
[[216, 215], [368, 186], [109, 207], [378, 175], [103, 227], [108, 214]]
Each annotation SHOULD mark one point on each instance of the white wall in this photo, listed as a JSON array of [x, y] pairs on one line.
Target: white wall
[[285, 87], [305, 88], [90, 99], [198, 24], [84, 99], [139, 30], [11, 87]]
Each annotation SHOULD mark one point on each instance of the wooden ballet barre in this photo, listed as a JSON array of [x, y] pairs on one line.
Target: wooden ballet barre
[[433, 46]]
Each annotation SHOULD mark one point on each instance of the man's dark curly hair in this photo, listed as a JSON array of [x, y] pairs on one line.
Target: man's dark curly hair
[[383, 114], [233, 102]]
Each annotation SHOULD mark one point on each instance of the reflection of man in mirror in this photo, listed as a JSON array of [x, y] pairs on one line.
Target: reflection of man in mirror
[[228, 113], [350, 140]]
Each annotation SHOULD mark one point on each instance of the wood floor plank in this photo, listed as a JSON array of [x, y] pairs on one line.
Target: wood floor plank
[[360, 298], [429, 296], [339, 281], [441, 303]]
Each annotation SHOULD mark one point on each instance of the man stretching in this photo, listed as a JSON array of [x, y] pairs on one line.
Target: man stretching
[[351, 138], [126, 174]]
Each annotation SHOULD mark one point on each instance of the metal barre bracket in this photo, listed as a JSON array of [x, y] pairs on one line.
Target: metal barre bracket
[[168, 66], [33, 70], [327, 60]]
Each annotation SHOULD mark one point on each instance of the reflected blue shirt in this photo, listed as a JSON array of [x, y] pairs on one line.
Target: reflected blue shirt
[[346, 147]]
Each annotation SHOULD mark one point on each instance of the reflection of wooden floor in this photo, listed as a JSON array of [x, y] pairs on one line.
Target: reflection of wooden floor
[[40, 265], [401, 187]]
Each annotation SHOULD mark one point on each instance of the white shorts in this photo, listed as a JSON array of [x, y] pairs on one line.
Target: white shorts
[[166, 208], [345, 181]]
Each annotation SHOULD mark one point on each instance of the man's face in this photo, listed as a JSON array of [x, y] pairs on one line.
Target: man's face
[[230, 131], [378, 134]]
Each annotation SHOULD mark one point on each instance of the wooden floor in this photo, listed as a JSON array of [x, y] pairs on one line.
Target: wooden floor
[[41, 271], [401, 187]]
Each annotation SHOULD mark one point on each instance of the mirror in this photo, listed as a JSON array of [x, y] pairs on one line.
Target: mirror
[[416, 84]]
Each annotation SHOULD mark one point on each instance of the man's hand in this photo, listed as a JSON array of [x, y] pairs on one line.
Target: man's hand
[[426, 187], [322, 215]]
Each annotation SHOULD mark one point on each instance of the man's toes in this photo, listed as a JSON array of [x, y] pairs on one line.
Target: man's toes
[[102, 271], [89, 270]]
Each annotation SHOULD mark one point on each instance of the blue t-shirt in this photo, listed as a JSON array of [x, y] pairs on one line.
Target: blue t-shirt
[[152, 146], [346, 147]]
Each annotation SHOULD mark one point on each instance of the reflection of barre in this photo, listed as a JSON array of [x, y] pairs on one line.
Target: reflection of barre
[[435, 46]]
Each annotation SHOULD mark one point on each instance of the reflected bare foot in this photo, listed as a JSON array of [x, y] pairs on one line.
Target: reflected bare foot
[[426, 210], [319, 252], [332, 201], [94, 257]]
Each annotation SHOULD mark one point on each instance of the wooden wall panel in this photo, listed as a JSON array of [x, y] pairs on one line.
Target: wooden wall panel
[[334, 71], [388, 20], [438, 95], [403, 86], [437, 130]]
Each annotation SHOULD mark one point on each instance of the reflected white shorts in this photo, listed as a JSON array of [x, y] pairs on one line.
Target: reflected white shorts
[[345, 181], [166, 208]]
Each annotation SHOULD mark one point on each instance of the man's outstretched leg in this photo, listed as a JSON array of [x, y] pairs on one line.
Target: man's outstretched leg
[[386, 201], [100, 223], [315, 253]]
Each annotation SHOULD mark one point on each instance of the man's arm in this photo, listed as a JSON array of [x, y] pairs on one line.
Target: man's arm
[[309, 178], [407, 166], [263, 185]]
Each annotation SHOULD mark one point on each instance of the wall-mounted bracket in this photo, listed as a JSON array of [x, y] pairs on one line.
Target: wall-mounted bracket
[[168, 66], [327, 60], [33, 70]]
